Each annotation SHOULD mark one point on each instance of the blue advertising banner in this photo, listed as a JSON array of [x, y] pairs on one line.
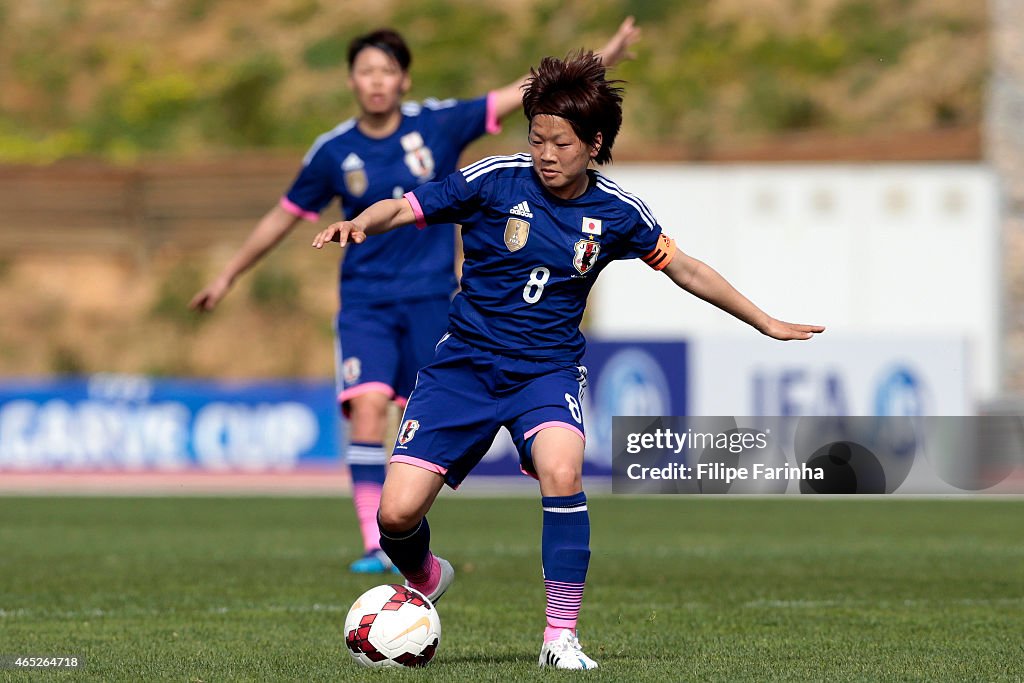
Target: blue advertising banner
[[118, 423], [132, 423]]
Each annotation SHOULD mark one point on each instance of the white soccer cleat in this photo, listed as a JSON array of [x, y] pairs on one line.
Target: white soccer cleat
[[565, 653], [447, 576]]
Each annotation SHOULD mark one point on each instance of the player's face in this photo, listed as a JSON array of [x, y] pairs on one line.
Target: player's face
[[377, 81], [560, 159]]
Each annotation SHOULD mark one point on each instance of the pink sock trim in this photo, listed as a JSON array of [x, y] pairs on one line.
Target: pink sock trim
[[427, 578], [366, 498], [552, 632], [563, 606]]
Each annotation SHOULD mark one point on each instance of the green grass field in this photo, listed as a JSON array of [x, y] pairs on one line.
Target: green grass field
[[681, 588]]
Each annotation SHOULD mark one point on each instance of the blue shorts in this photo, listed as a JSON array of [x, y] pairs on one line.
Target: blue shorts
[[381, 346], [466, 395]]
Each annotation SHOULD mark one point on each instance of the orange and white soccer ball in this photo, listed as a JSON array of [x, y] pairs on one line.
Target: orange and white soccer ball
[[392, 625]]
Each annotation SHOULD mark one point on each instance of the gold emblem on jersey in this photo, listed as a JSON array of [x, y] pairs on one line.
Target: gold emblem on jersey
[[355, 182], [516, 233]]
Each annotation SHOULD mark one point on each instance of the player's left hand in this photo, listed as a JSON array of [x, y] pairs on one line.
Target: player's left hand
[[341, 232], [617, 48], [783, 331]]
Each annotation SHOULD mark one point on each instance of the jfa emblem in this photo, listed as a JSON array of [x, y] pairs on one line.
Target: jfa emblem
[[351, 369], [516, 233], [408, 431], [591, 226], [418, 156], [585, 255]]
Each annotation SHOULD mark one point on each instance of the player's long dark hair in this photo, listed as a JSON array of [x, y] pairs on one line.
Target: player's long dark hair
[[385, 39], [577, 90]]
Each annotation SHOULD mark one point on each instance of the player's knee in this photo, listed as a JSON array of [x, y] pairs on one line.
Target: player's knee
[[367, 417], [563, 480], [395, 518]]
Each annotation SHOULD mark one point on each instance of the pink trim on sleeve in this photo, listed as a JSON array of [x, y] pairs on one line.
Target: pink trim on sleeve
[[296, 210], [493, 125], [554, 423], [417, 210]]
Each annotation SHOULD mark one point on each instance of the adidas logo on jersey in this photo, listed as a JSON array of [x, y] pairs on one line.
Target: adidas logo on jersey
[[352, 162], [521, 209]]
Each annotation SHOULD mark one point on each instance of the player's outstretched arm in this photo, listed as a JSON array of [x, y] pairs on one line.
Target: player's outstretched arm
[[510, 98], [387, 214], [274, 225], [701, 280]]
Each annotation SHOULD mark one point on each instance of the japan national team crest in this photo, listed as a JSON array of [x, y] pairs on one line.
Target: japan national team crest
[[351, 369], [516, 233], [585, 255], [408, 431], [418, 156]]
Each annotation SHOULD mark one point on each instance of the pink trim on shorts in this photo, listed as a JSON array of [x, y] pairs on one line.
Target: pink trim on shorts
[[419, 462], [493, 125], [554, 423], [401, 401], [360, 389], [296, 210], [531, 475], [417, 210]]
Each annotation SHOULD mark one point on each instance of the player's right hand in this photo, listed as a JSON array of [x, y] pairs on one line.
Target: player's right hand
[[209, 296], [341, 232]]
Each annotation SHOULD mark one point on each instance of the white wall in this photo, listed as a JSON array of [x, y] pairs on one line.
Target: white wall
[[884, 249]]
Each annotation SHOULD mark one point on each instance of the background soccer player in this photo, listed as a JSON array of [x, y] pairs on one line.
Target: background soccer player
[[397, 290], [538, 228]]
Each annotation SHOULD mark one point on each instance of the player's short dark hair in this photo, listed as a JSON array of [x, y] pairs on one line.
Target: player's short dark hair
[[385, 39], [577, 90]]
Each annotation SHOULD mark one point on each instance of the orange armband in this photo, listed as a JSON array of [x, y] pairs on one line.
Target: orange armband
[[662, 253]]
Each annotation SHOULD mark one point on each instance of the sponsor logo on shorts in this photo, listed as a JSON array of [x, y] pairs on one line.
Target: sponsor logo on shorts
[[408, 431]]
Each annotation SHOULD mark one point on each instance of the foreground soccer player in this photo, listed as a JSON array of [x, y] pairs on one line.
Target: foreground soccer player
[[397, 291], [537, 230]]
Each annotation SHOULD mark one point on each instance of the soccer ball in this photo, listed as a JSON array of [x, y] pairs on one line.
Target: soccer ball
[[392, 625]]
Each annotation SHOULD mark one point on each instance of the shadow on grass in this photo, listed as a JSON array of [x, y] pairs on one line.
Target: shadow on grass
[[510, 658]]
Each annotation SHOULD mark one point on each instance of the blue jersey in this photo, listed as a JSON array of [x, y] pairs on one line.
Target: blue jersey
[[532, 258], [360, 170]]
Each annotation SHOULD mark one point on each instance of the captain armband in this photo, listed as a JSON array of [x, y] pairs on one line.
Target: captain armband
[[662, 253]]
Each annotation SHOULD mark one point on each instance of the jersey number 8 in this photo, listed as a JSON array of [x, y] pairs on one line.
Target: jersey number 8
[[535, 285]]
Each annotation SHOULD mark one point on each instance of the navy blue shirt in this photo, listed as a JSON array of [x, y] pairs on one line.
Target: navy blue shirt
[[531, 257], [360, 170]]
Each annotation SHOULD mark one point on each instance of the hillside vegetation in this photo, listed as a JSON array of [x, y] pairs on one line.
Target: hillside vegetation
[[137, 85], [198, 77]]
